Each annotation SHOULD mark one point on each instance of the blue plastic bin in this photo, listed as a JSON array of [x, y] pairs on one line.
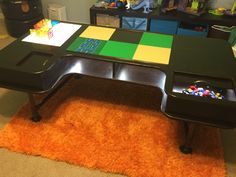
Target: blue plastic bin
[[164, 26], [134, 23], [191, 30]]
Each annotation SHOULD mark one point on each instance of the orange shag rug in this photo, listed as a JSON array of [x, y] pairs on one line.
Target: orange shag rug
[[115, 127]]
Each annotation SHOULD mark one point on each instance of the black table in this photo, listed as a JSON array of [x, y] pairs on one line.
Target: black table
[[35, 68]]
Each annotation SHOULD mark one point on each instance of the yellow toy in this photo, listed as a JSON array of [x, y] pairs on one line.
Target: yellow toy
[[232, 11], [130, 3], [43, 29], [233, 8]]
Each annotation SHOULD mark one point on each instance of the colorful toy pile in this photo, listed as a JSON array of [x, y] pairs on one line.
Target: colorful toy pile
[[117, 3], [203, 92], [194, 7], [128, 4], [111, 3], [44, 28]]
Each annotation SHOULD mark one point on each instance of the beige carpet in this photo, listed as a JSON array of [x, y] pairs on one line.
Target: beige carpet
[[5, 39]]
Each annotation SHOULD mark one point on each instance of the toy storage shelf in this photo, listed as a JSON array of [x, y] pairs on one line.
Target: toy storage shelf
[[156, 15]]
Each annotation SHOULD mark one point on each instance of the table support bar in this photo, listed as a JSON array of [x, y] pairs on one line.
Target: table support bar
[[189, 130]]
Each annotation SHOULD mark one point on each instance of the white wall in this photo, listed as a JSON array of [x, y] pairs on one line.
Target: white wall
[[1, 14], [77, 10], [228, 4]]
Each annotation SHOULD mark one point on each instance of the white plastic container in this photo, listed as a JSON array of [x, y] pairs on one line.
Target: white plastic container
[[57, 12]]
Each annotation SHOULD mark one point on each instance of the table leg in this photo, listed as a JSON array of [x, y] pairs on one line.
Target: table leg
[[34, 108], [36, 117], [189, 129]]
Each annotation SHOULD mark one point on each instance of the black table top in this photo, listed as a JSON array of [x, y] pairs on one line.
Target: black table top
[[37, 68]]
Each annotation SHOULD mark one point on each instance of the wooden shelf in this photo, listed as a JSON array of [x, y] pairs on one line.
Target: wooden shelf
[[205, 19], [157, 14]]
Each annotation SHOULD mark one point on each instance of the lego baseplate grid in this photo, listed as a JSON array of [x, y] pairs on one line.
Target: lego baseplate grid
[[123, 44]]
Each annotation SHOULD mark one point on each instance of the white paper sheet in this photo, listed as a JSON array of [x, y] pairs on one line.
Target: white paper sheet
[[61, 33]]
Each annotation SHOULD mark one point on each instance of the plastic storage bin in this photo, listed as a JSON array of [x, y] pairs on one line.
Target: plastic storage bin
[[21, 10], [134, 23], [20, 16], [164, 26], [189, 29], [17, 28], [57, 12]]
